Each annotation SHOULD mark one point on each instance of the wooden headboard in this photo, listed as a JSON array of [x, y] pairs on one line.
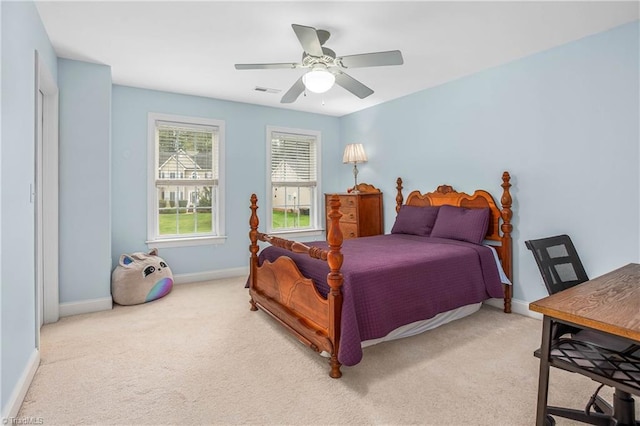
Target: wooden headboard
[[366, 187], [445, 194]]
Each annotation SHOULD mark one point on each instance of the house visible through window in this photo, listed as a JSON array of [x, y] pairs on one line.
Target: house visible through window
[[185, 201], [293, 157]]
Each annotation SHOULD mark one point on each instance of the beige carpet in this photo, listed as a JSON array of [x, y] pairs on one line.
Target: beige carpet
[[199, 356]]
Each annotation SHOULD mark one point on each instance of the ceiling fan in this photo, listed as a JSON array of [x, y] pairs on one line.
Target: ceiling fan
[[325, 68]]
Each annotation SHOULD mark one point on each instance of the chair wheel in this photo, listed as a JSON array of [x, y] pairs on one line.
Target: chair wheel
[[549, 421]]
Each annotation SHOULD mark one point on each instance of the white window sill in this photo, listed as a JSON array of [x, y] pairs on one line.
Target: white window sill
[[185, 242]]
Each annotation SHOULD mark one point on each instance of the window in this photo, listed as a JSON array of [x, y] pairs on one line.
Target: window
[[292, 164], [186, 175]]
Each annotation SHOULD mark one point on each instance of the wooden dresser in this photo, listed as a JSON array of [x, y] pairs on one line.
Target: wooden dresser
[[361, 212]]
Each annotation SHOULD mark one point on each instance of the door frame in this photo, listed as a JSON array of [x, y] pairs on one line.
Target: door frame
[[46, 258]]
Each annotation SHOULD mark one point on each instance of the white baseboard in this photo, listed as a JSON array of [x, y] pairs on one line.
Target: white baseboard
[[517, 307], [11, 409], [211, 275], [106, 303], [85, 306]]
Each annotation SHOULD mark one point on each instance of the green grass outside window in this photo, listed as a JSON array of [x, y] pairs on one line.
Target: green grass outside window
[[292, 220], [187, 222]]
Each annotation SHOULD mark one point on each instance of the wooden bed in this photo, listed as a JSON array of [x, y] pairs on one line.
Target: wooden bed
[[279, 288]]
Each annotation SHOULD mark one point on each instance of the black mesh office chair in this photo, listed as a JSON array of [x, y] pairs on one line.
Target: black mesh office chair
[[561, 268]]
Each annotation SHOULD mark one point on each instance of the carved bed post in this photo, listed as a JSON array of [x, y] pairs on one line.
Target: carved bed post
[[506, 228], [253, 248], [399, 197], [334, 279]]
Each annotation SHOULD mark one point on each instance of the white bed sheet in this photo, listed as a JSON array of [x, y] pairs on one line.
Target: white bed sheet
[[424, 325]]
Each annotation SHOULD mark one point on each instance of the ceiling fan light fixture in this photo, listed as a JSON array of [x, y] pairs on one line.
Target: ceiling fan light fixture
[[319, 79], [324, 68]]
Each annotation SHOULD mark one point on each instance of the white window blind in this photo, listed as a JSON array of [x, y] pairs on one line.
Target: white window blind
[[293, 164], [293, 159]]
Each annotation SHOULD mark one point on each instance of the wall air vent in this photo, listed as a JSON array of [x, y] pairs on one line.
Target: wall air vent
[[266, 90]]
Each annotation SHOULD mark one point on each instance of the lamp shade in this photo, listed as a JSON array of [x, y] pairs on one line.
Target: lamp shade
[[354, 153], [318, 80]]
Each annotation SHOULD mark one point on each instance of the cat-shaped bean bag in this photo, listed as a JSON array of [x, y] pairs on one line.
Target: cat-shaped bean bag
[[140, 278]]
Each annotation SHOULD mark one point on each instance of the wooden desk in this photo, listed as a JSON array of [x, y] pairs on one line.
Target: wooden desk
[[609, 303]]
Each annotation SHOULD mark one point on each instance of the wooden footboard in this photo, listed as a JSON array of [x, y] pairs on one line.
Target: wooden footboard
[[280, 289]]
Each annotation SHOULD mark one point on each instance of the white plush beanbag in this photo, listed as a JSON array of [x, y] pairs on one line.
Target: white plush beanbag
[[140, 278]]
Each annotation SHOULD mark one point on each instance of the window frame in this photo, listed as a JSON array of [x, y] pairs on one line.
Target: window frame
[[218, 234], [316, 219]]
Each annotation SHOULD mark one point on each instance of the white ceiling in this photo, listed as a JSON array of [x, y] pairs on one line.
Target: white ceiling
[[191, 47]]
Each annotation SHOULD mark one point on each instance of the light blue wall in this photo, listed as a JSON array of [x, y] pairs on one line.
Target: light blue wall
[[245, 162], [22, 35], [564, 122], [85, 180]]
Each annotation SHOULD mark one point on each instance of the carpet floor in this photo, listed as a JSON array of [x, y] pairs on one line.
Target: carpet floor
[[200, 356]]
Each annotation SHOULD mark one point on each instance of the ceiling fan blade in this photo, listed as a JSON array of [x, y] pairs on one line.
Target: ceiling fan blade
[[308, 39], [266, 66], [375, 59], [353, 85], [293, 93]]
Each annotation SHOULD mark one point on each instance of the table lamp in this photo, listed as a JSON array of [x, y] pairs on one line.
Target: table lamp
[[354, 153]]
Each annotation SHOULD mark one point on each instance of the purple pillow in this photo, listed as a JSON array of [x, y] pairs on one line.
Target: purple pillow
[[415, 220], [460, 223]]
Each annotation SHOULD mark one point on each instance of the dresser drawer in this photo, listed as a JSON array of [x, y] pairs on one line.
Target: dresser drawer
[[347, 201], [349, 214], [349, 230]]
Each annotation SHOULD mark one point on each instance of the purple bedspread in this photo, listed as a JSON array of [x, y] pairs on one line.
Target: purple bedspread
[[396, 279]]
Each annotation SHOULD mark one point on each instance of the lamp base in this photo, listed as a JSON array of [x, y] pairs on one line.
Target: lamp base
[[354, 190]]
